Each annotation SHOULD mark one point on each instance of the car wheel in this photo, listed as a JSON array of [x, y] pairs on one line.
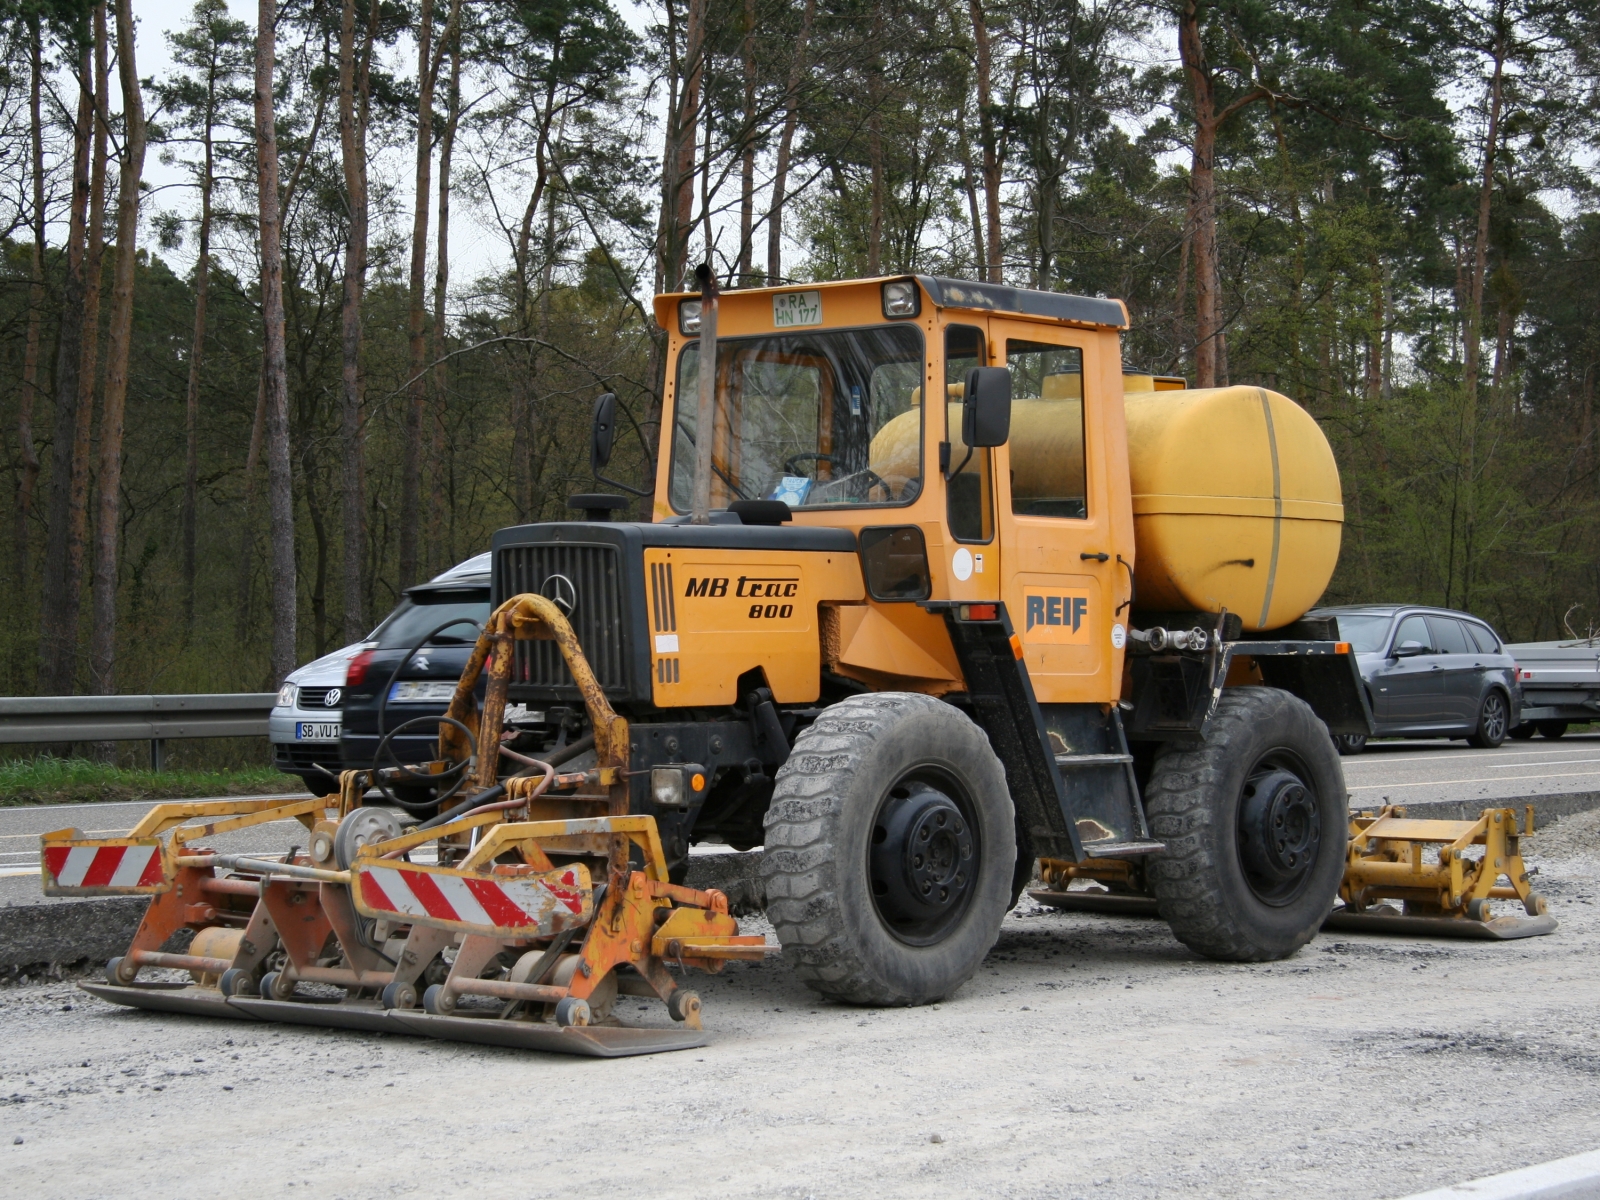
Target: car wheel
[[1350, 743], [1493, 719], [1522, 733], [1552, 729]]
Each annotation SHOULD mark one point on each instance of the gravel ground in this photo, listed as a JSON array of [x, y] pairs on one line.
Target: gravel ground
[[1091, 1057]]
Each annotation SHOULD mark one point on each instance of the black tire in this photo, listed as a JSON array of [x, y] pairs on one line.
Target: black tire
[[1494, 720], [1229, 893], [1522, 733], [846, 895], [1552, 729], [1350, 743]]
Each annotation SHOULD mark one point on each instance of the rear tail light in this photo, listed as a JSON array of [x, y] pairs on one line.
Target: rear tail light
[[356, 671]]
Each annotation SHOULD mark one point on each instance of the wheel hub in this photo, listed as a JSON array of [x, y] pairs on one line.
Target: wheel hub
[[923, 863], [1280, 834]]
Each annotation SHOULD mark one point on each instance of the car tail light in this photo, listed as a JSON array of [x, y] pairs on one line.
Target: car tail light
[[356, 671]]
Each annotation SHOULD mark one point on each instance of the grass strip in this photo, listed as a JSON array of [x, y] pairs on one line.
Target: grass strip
[[46, 780]]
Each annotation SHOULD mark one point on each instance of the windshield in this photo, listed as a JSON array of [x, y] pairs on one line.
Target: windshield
[[1365, 634], [813, 419], [418, 614]]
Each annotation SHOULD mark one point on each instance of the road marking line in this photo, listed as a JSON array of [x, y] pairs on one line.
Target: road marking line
[[1368, 787]]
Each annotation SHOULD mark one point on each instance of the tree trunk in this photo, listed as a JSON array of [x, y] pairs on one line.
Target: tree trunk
[[989, 142], [969, 184], [875, 147], [352, 141], [683, 198], [417, 385], [1472, 333], [747, 165], [108, 523], [30, 360], [89, 354], [1202, 196], [791, 120], [275, 365], [58, 631], [441, 283], [197, 349]]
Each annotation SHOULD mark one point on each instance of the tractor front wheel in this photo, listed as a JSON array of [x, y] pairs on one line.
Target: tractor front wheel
[[890, 846]]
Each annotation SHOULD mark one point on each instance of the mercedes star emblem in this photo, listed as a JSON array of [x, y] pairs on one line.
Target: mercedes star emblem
[[562, 592], [333, 698]]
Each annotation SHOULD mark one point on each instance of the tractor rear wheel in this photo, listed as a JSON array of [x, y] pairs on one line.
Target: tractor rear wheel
[[891, 843], [1255, 823]]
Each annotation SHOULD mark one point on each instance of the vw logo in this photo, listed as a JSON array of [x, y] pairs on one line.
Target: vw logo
[[333, 697], [561, 592]]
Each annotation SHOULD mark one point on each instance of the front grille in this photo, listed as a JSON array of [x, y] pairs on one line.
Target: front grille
[[597, 616], [317, 697]]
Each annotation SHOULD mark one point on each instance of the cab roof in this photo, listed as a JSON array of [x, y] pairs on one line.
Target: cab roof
[[944, 292]]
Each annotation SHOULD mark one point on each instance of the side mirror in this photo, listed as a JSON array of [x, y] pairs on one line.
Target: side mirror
[[1409, 649], [986, 407], [605, 429]]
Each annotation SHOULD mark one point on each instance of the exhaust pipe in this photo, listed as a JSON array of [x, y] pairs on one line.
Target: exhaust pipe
[[705, 420]]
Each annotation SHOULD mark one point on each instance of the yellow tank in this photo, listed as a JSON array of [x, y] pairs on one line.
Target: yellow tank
[[1231, 509], [1236, 503]]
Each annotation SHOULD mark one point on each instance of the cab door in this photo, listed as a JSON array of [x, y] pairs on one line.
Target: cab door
[[1055, 509]]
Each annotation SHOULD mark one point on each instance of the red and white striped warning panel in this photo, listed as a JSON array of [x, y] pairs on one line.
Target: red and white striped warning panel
[[499, 905], [114, 867]]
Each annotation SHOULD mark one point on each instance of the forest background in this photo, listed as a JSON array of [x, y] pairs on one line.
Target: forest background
[[243, 407]]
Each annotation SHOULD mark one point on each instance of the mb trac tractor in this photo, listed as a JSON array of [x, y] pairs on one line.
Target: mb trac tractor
[[933, 594]]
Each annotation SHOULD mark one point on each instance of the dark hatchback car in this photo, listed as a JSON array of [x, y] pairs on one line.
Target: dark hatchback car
[[419, 654], [1429, 672]]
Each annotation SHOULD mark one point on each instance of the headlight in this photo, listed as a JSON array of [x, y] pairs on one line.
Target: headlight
[[680, 785], [286, 695], [901, 298], [688, 316]]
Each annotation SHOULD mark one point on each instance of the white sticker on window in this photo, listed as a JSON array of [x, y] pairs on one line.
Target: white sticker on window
[[961, 564], [791, 309]]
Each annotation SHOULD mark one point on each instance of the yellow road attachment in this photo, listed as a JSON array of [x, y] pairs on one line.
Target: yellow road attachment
[[1443, 886]]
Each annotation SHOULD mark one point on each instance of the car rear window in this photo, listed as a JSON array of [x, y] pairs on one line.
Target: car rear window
[[1364, 633], [1487, 642], [1449, 637], [424, 611]]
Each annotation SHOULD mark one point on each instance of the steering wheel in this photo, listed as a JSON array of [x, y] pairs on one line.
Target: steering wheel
[[792, 463]]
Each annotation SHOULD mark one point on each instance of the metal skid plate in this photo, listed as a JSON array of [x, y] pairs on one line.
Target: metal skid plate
[[594, 1041], [348, 1014], [597, 1041], [1499, 929], [168, 997], [1110, 904]]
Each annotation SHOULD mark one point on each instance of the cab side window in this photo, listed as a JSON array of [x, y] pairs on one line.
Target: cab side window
[[1048, 475], [1414, 629], [969, 492]]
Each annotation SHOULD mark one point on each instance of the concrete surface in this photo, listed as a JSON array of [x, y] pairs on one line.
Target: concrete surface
[[1090, 1057], [1575, 1178]]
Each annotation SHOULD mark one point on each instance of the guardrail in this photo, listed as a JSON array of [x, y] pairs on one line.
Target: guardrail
[[47, 719]]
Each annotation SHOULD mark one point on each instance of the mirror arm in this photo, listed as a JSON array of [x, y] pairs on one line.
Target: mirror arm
[[944, 462], [627, 487]]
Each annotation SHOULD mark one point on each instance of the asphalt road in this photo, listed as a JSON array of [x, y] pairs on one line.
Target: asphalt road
[[1390, 772]]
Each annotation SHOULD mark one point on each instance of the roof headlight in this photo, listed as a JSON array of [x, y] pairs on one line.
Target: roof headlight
[[901, 298], [689, 316]]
